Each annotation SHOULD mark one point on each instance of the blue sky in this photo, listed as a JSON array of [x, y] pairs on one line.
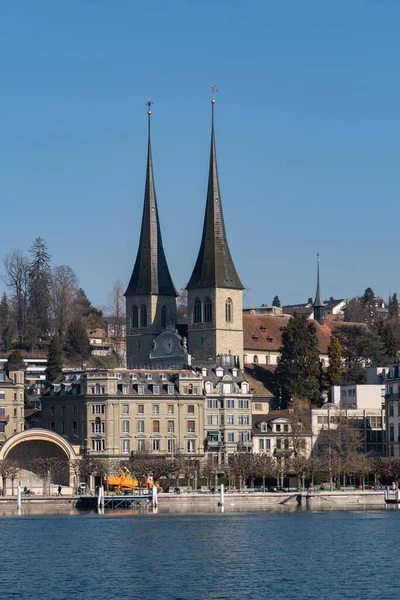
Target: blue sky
[[307, 126]]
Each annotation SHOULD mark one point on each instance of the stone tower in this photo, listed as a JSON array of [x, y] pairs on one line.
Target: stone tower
[[215, 322], [318, 305], [151, 294]]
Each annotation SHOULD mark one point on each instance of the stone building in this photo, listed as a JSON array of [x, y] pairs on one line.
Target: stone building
[[113, 413], [12, 383]]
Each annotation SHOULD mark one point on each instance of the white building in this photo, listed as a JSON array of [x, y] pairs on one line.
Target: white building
[[359, 396]]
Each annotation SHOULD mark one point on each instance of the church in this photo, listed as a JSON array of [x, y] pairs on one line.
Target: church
[[214, 331]]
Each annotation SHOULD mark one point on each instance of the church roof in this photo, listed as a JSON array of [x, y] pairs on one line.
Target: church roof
[[264, 333], [214, 266], [150, 274]]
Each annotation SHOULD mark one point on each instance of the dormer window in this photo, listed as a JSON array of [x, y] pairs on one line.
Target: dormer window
[[163, 377], [156, 389], [245, 388], [170, 389], [234, 372], [125, 388], [140, 389], [148, 376], [208, 387], [133, 376], [219, 372], [204, 372]]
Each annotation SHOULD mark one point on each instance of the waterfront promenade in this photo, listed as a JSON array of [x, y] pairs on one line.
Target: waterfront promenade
[[208, 501]]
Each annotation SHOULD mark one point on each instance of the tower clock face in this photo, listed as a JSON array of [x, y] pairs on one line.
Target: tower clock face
[[168, 344]]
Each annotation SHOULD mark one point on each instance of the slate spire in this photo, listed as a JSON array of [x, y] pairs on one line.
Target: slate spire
[[214, 265], [318, 305], [150, 274]]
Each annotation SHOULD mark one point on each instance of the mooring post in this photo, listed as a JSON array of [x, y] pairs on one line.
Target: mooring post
[[19, 500], [155, 495], [221, 495]]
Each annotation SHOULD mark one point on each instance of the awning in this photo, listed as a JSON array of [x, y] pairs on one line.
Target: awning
[[212, 432]]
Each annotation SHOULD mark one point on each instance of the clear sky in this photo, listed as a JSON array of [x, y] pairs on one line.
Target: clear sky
[[307, 130]]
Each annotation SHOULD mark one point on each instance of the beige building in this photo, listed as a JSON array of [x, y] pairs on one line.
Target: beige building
[[12, 380], [114, 413]]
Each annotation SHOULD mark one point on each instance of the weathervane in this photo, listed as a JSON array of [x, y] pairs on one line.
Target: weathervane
[[213, 90], [317, 256]]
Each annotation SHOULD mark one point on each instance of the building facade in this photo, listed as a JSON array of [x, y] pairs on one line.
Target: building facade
[[12, 384]]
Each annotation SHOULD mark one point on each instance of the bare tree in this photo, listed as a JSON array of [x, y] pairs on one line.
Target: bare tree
[[244, 467], [115, 307], [48, 469], [16, 277], [182, 304], [9, 469], [64, 288], [264, 467]]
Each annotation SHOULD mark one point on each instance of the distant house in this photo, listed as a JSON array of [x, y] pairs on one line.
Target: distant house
[[115, 327], [262, 339]]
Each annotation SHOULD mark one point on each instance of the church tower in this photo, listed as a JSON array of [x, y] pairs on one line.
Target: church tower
[[215, 303], [151, 294], [318, 305]]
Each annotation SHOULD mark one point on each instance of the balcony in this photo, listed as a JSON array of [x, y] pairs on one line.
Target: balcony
[[4, 418], [392, 396], [245, 445]]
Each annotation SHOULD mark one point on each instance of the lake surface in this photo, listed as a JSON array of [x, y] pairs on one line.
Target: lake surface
[[292, 555]]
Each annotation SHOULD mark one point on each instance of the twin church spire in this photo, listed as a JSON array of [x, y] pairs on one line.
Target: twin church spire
[[150, 274], [214, 265]]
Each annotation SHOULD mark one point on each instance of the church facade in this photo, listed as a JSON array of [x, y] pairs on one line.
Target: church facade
[[214, 333]]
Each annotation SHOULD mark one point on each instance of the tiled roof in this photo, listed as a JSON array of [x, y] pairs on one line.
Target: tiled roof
[[264, 332]]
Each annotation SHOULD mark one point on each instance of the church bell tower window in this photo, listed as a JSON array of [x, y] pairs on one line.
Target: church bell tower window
[[164, 316], [228, 310], [143, 316], [207, 311], [135, 317], [197, 311]]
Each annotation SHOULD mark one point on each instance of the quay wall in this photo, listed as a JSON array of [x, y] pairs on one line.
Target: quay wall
[[261, 500], [232, 501]]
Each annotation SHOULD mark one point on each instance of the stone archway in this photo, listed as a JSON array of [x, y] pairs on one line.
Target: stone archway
[[43, 456]]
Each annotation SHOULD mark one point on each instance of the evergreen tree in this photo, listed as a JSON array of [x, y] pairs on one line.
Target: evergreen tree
[[360, 347], [276, 301], [368, 304], [6, 334], [77, 344], [385, 332], [38, 292], [335, 368], [298, 372], [16, 359], [54, 360], [393, 307]]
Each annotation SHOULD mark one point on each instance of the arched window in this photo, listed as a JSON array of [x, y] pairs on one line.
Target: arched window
[[197, 311], [97, 388], [143, 316], [391, 436], [164, 316], [135, 316], [255, 359], [207, 311], [229, 311]]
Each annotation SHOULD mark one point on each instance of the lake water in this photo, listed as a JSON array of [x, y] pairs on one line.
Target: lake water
[[285, 555]]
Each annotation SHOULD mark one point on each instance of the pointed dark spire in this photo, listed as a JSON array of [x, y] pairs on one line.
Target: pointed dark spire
[[150, 274], [214, 266], [318, 305]]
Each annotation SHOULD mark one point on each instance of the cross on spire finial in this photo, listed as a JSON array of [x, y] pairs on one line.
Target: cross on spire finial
[[213, 90], [317, 256], [148, 104]]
